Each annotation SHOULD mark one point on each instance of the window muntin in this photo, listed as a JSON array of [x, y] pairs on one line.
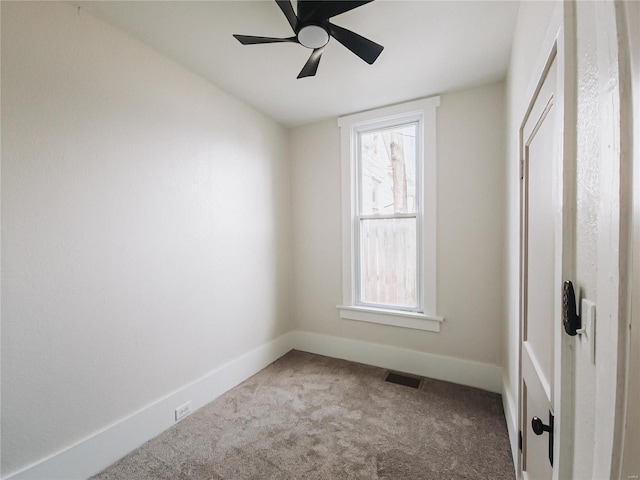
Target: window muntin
[[387, 226]]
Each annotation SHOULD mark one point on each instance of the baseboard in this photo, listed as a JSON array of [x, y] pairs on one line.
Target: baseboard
[[511, 416], [98, 451], [464, 372]]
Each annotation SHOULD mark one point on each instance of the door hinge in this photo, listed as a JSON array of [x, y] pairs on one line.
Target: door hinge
[[520, 440]]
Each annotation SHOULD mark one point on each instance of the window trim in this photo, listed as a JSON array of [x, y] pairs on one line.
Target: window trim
[[424, 111]]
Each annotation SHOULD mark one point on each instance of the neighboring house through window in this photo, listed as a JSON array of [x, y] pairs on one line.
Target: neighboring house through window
[[389, 216]]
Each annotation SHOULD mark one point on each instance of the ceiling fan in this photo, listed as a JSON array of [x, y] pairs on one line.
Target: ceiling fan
[[313, 30]]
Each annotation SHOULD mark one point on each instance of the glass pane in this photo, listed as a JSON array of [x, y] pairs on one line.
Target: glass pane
[[388, 170], [388, 262]]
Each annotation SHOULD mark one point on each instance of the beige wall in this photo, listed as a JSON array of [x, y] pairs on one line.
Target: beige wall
[[470, 227], [145, 228]]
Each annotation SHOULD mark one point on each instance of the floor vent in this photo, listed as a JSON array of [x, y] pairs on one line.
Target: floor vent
[[401, 379]]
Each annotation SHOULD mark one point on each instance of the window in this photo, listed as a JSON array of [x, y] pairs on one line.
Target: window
[[389, 200], [386, 231]]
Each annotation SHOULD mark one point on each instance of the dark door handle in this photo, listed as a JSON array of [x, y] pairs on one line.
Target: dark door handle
[[539, 428]]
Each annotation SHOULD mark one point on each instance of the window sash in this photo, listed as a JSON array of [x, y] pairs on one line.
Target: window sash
[[358, 217], [413, 267]]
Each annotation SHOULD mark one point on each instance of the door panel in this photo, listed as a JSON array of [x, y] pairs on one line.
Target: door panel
[[538, 277], [538, 331], [536, 464]]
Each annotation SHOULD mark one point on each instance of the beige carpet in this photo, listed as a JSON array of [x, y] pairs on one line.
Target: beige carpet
[[312, 417]]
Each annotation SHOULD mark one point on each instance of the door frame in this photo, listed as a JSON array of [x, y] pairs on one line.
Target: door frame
[[559, 45]]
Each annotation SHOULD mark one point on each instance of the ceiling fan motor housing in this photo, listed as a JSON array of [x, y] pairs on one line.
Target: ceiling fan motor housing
[[313, 36]]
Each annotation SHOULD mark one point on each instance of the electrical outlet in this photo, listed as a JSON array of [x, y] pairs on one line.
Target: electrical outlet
[[183, 410]]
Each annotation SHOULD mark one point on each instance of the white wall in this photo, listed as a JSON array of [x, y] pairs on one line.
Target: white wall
[[600, 212], [470, 226], [145, 228]]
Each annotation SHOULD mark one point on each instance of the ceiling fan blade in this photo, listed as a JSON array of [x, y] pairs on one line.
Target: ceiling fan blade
[[306, 8], [251, 40], [323, 10], [366, 49], [287, 9], [310, 68]]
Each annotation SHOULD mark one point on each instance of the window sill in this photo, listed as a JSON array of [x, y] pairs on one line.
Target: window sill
[[396, 318]]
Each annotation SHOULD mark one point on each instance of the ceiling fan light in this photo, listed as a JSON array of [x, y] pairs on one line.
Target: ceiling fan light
[[313, 36]]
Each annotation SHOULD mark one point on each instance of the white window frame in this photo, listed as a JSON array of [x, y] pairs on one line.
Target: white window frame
[[423, 112]]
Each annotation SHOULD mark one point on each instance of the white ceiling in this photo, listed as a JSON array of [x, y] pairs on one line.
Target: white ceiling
[[431, 47]]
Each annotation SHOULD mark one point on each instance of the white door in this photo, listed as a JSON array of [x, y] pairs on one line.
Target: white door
[[539, 282]]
